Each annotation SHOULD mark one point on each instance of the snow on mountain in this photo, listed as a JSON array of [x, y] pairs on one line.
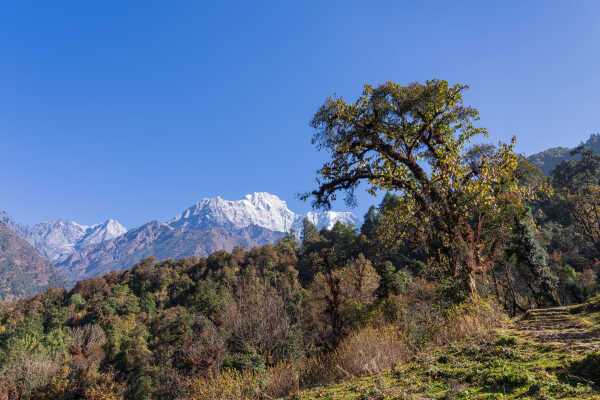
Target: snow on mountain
[[56, 240], [262, 209], [101, 232]]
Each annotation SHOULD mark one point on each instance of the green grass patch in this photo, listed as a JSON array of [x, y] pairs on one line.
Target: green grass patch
[[510, 368]]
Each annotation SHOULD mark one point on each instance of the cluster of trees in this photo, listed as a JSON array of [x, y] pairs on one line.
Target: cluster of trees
[[569, 222], [467, 221], [148, 332]]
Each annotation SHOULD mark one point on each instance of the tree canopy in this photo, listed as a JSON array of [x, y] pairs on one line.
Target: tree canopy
[[413, 140]]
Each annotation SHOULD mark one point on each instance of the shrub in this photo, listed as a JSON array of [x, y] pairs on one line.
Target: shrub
[[230, 385], [507, 341], [371, 350], [283, 378], [247, 360], [28, 374], [471, 320]]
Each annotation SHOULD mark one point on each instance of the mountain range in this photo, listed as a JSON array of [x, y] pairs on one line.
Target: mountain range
[[80, 251], [57, 240], [210, 225]]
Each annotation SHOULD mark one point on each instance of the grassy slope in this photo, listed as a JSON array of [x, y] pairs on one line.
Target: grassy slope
[[516, 366]]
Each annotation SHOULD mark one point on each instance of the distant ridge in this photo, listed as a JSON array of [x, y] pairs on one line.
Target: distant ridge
[[547, 160]]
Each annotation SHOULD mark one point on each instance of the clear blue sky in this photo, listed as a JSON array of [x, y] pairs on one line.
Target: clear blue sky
[[136, 110]]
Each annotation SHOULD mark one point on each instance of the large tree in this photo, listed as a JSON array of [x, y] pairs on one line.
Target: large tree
[[413, 140]]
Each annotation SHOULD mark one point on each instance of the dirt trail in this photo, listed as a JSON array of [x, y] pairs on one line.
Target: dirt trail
[[558, 325]]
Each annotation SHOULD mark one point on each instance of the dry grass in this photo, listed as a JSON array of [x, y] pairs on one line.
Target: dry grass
[[371, 350], [230, 385], [367, 351], [473, 320]]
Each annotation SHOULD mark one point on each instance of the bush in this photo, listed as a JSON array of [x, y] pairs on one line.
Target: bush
[[230, 385], [248, 360], [506, 341], [371, 350], [471, 320], [283, 378]]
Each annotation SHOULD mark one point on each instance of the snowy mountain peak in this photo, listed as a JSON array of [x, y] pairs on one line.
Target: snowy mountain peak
[[211, 224], [263, 209], [101, 232], [56, 240], [260, 208]]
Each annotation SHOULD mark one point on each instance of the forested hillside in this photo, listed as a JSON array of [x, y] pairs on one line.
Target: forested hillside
[[23, 271], [547, 160]]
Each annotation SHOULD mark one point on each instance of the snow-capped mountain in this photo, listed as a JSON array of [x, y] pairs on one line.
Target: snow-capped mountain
[[81, 251], [56, 240], [261, 209], [99, 233], [210, 225]]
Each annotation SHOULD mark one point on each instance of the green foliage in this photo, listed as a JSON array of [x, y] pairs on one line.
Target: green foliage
[[569, 223], [77, 300], [246, 360], [531, 262], [507, 341], [393, 281], [142, 389], [148, 304], [309, 231]]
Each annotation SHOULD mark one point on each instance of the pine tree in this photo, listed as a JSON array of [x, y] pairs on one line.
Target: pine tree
[[309, 231], [531, 261]]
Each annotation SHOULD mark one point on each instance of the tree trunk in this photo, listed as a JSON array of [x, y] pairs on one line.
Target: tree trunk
[[473, 286]]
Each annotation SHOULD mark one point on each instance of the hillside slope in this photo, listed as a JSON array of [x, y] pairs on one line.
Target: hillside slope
[[163, 242], [547, 160], [547, 354], [23, 271]]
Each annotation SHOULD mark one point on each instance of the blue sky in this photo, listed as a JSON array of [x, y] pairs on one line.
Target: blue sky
[[136, 110]]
